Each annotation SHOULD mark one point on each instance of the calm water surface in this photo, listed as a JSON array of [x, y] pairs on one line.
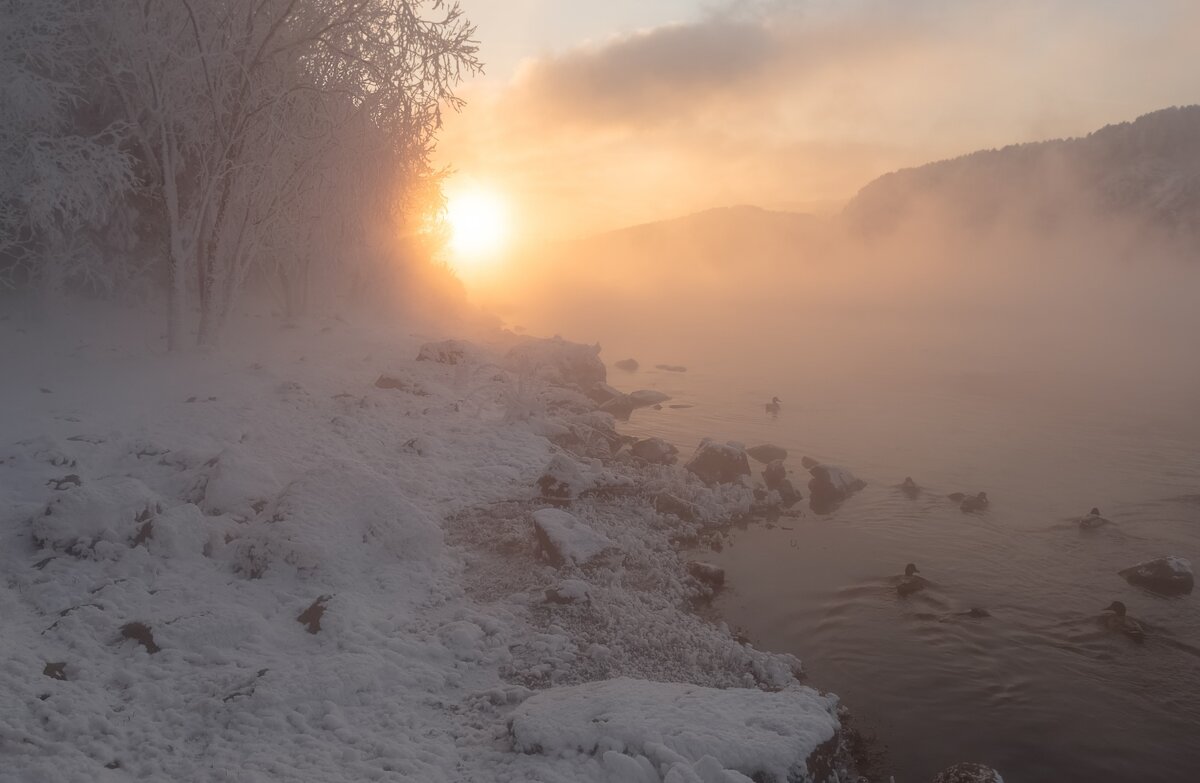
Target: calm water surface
[[1038, 689]]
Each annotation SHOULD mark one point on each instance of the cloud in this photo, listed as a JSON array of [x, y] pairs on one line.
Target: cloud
[[651, 75], [785, 103]]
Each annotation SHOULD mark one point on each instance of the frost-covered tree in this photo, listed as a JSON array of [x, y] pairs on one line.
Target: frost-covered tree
[[241, 110], [55, 179]]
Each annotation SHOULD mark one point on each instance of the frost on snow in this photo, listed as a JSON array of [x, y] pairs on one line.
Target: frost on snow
[[299, 575], [748, 731]]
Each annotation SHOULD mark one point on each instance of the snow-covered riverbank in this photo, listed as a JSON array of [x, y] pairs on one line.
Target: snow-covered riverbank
[[166, 520]]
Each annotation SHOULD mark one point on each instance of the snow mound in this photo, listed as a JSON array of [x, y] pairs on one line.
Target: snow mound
[[673, 729], [98, 519], [448, 352], [559, 362], [239, 478], [564, 538]]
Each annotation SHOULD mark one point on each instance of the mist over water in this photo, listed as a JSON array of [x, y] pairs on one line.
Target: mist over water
[[1055, 373]]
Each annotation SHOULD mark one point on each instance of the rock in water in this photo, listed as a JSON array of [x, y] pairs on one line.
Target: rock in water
[[709, 574], [774, 474], [831, 485], [767, 452], [1165, 575], [644, 397], [719, 463], [968, 772], [655, 451], [628, 365], [601, 393]]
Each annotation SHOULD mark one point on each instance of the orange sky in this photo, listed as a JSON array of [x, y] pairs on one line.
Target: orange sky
[[597, 117]]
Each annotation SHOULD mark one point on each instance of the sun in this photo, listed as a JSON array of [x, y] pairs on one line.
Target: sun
[[479, 228]]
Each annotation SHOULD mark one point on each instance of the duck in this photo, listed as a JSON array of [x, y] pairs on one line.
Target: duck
[[910, 582], [975, 503], [1120, 622], [1092, 520], [910, 488], [773, 406]]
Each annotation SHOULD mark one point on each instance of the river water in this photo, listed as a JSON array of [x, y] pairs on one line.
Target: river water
[[1053, 379], [1039, 689]]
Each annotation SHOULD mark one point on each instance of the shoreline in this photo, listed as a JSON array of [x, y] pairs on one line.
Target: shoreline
[[324, 472]]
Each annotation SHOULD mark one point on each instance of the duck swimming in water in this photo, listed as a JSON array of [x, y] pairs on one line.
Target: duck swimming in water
[[975, 503], [910, 488], [910, 582], [1119, 622], [773, 406], [1092, 520]]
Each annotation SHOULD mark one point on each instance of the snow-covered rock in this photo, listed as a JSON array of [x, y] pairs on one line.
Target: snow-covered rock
[[562, 538], [559, 361], [569, 591], [562, 479], [708, 573], [1168, 575], [679, 732], [655, 451], [968, 772], [239, 478], [831, 485], [719, 463], [666, 503], [99, 519], [448, 352]]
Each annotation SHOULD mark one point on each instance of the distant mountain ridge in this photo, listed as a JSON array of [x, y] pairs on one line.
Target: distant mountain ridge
[[1147, 170]]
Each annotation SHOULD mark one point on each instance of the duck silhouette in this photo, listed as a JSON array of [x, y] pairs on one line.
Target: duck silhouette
[[910, 582], [1120, 622], [773, 406], [910, 488], [1092, 520], [974, 502]]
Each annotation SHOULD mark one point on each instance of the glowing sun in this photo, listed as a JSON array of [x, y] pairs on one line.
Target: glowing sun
[[479, 227]]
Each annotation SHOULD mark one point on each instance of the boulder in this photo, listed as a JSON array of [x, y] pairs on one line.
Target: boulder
[[619, 407], [831, 485], [719, 463], [707, 573], [562, 479], [1165, 575], [646, 397], [628, 365], [767, 452], [641, 730], [656, 451], [671, 367], [774, 474], [562, 538], [569, 591], [788, 494], [808, 463], [447, 352], [968, 772], [558, 361], [601, 393], [666, 503]]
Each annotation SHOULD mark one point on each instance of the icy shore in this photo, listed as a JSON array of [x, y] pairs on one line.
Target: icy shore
[[311, 556]]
